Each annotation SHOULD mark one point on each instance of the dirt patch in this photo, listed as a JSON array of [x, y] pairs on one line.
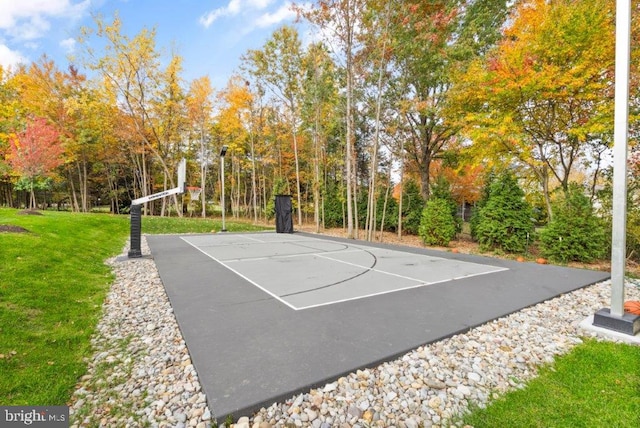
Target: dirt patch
[[29, 212], [12, 229]]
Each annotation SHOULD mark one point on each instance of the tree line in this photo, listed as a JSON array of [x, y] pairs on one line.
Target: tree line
[[392, 103]]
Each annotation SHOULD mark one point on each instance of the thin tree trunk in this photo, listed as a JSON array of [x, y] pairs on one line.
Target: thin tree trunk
[[384, 209], [401, 190], [254, 185], [295, 155], [371, 212], [74, 199]]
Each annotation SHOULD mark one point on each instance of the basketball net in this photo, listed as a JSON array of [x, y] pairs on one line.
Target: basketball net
[[194, 193]]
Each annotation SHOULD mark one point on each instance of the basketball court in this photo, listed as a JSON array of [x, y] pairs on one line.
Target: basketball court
[[268, 315]]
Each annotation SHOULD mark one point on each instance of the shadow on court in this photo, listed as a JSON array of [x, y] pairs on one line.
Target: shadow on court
[[269, 315]]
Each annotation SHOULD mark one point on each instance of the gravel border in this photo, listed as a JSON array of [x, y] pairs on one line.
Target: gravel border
[[141, 373]]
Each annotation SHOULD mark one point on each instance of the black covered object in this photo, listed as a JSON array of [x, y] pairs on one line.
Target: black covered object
[[284, 220]]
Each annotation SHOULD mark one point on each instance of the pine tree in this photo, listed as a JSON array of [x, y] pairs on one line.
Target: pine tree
[[575, 233], [505, 221]]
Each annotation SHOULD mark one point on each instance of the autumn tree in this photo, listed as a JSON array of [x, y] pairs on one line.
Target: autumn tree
[[377, 41], [130, 68], [199, 112], [431, 41], [543, 96], [168, 122], [232, 129], [35, 152], [11, 114], [48, 92], [342, 19], [320, 97], [278, 67]]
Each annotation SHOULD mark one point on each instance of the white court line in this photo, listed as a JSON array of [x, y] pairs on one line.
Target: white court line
[[253, 239], [291, 241], [421, 283], [286, 256], [242, 276], [408, 277]]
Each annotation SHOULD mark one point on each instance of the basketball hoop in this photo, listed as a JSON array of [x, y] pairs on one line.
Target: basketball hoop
[[194, 192]]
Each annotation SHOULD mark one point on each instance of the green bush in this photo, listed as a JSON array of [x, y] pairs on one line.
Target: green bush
[[605, 198], [441, 189], [437, 226], [334, 205], [391, 214], [575, 233], [505, 220], [412, 206], [279, 188], [484, 197]]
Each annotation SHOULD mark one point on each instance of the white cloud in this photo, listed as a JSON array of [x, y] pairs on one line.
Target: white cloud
[[30, 19], [69, 45], [284, 13], [9, 58], [234, 7]]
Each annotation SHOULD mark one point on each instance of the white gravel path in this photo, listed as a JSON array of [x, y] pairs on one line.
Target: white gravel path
[[141, 372]]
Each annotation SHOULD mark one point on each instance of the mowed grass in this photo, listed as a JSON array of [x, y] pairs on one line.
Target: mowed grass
[[597, 384], [158, 225], [53, 282]]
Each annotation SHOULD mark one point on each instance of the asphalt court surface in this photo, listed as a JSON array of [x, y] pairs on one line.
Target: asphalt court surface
[[313, 272], [267, 315]]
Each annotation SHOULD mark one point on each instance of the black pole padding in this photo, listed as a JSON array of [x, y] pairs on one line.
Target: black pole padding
[[136, 228]]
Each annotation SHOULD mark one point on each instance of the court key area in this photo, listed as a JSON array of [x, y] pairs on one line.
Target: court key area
[[268, 315], [304, 272]]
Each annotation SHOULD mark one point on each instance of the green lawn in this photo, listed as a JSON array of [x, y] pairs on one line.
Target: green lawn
[[595, 385], [53, 281]]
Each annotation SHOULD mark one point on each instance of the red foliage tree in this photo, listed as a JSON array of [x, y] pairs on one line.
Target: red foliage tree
[[35, 152]]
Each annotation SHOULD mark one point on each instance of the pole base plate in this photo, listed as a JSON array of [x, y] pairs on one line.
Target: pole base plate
[[627, 323]]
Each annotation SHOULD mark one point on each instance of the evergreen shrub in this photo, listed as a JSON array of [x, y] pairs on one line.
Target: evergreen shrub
[[412, 205], [504, 222], [438, 225], [575, 232]]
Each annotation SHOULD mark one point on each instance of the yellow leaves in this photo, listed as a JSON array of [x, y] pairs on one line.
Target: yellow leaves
[[234, 118], [199, 103]]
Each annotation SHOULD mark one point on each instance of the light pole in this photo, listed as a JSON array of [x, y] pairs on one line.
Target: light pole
[[223, 152]]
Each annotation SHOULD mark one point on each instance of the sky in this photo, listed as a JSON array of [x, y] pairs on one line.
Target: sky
[[210, 35]]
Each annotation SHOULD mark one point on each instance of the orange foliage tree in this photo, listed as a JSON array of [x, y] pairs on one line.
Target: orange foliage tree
[[35, 152]]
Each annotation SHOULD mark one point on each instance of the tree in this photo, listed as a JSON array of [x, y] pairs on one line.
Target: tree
[[575, 233], [437, 224], [11, 115], [432, 40], [233, 130], [199, 111], [542, 97], [412, 206], [278, 66], [504, 220], [147, 96], [343, 18], [320, 97], [35, 152]]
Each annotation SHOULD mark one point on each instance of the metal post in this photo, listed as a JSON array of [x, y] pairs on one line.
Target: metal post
[[136, 227], [615, 318], [620, 135], [223, 152]]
